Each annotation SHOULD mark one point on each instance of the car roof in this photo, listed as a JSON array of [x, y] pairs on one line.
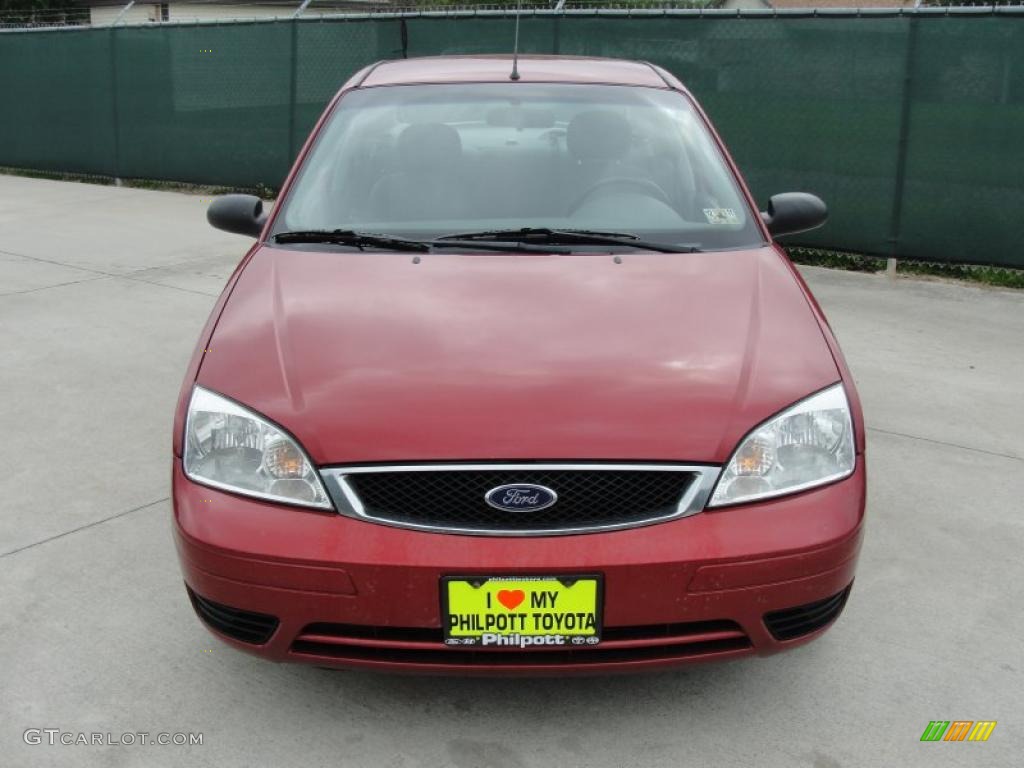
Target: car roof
[[536, 69]]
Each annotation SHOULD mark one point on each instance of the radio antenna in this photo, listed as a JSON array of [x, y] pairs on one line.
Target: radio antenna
[[515, 46]]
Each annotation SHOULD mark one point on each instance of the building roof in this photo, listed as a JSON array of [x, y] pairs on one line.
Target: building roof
[[538, 69], [291, 5]]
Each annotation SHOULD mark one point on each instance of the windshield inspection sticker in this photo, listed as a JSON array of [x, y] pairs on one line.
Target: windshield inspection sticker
[[720, 215]]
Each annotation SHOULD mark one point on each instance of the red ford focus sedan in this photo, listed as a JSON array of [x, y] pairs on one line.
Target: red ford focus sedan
[[515, 380]]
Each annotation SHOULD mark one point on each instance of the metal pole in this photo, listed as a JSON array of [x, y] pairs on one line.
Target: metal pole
[[293, 90], [901, 159], [115, 117], [123, 12]]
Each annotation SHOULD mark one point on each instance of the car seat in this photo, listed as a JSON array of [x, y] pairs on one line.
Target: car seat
[[429, 182]]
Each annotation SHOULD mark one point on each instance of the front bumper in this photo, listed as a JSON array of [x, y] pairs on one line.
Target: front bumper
[[349, 593]]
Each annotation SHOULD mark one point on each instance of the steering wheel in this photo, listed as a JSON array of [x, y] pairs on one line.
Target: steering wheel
[[643, 186]]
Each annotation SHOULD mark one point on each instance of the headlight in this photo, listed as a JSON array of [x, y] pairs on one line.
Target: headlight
[[230, 447], [808, 444]]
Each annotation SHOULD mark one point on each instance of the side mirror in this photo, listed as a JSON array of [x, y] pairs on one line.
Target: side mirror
[[791, 212], [241, 214]]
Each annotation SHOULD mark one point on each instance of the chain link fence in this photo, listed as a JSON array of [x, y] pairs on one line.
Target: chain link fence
[[44, 17], [908, 123]]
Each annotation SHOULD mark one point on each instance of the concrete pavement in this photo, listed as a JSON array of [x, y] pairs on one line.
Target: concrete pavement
[[103, 291]]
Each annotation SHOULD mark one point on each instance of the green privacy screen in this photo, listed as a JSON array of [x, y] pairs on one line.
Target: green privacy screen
[[910, 125]]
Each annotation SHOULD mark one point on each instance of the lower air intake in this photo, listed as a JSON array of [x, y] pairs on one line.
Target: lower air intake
[[804, 619], [244, 626], [424, 647]]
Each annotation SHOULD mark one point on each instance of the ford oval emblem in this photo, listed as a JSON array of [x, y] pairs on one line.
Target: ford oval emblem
[[521, 497]]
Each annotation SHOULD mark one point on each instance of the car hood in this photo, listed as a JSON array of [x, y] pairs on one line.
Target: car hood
[[370, 356]]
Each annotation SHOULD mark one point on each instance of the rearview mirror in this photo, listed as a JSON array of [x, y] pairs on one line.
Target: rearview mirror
[[791, 212], [241, 214]]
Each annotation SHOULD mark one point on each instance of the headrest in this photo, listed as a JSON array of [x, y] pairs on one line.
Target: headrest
[[429, 147], [598, 135]]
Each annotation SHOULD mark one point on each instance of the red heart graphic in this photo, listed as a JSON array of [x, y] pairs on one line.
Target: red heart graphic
[[511, 598]]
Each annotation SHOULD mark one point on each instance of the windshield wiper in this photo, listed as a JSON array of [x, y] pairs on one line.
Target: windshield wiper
[[355, 239], [538, 235], [523, 240], [390, 242]]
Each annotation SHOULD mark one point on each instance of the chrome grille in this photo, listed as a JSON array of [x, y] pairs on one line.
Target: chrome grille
[[451, 497]]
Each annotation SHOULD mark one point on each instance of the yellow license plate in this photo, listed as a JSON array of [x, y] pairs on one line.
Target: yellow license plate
[[521, 612]]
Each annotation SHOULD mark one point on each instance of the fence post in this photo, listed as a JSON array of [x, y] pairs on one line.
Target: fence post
[[293, 92], [896, 223], [114, 108]]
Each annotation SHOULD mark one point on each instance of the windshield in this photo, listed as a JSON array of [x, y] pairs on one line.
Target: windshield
[[425, 161]]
